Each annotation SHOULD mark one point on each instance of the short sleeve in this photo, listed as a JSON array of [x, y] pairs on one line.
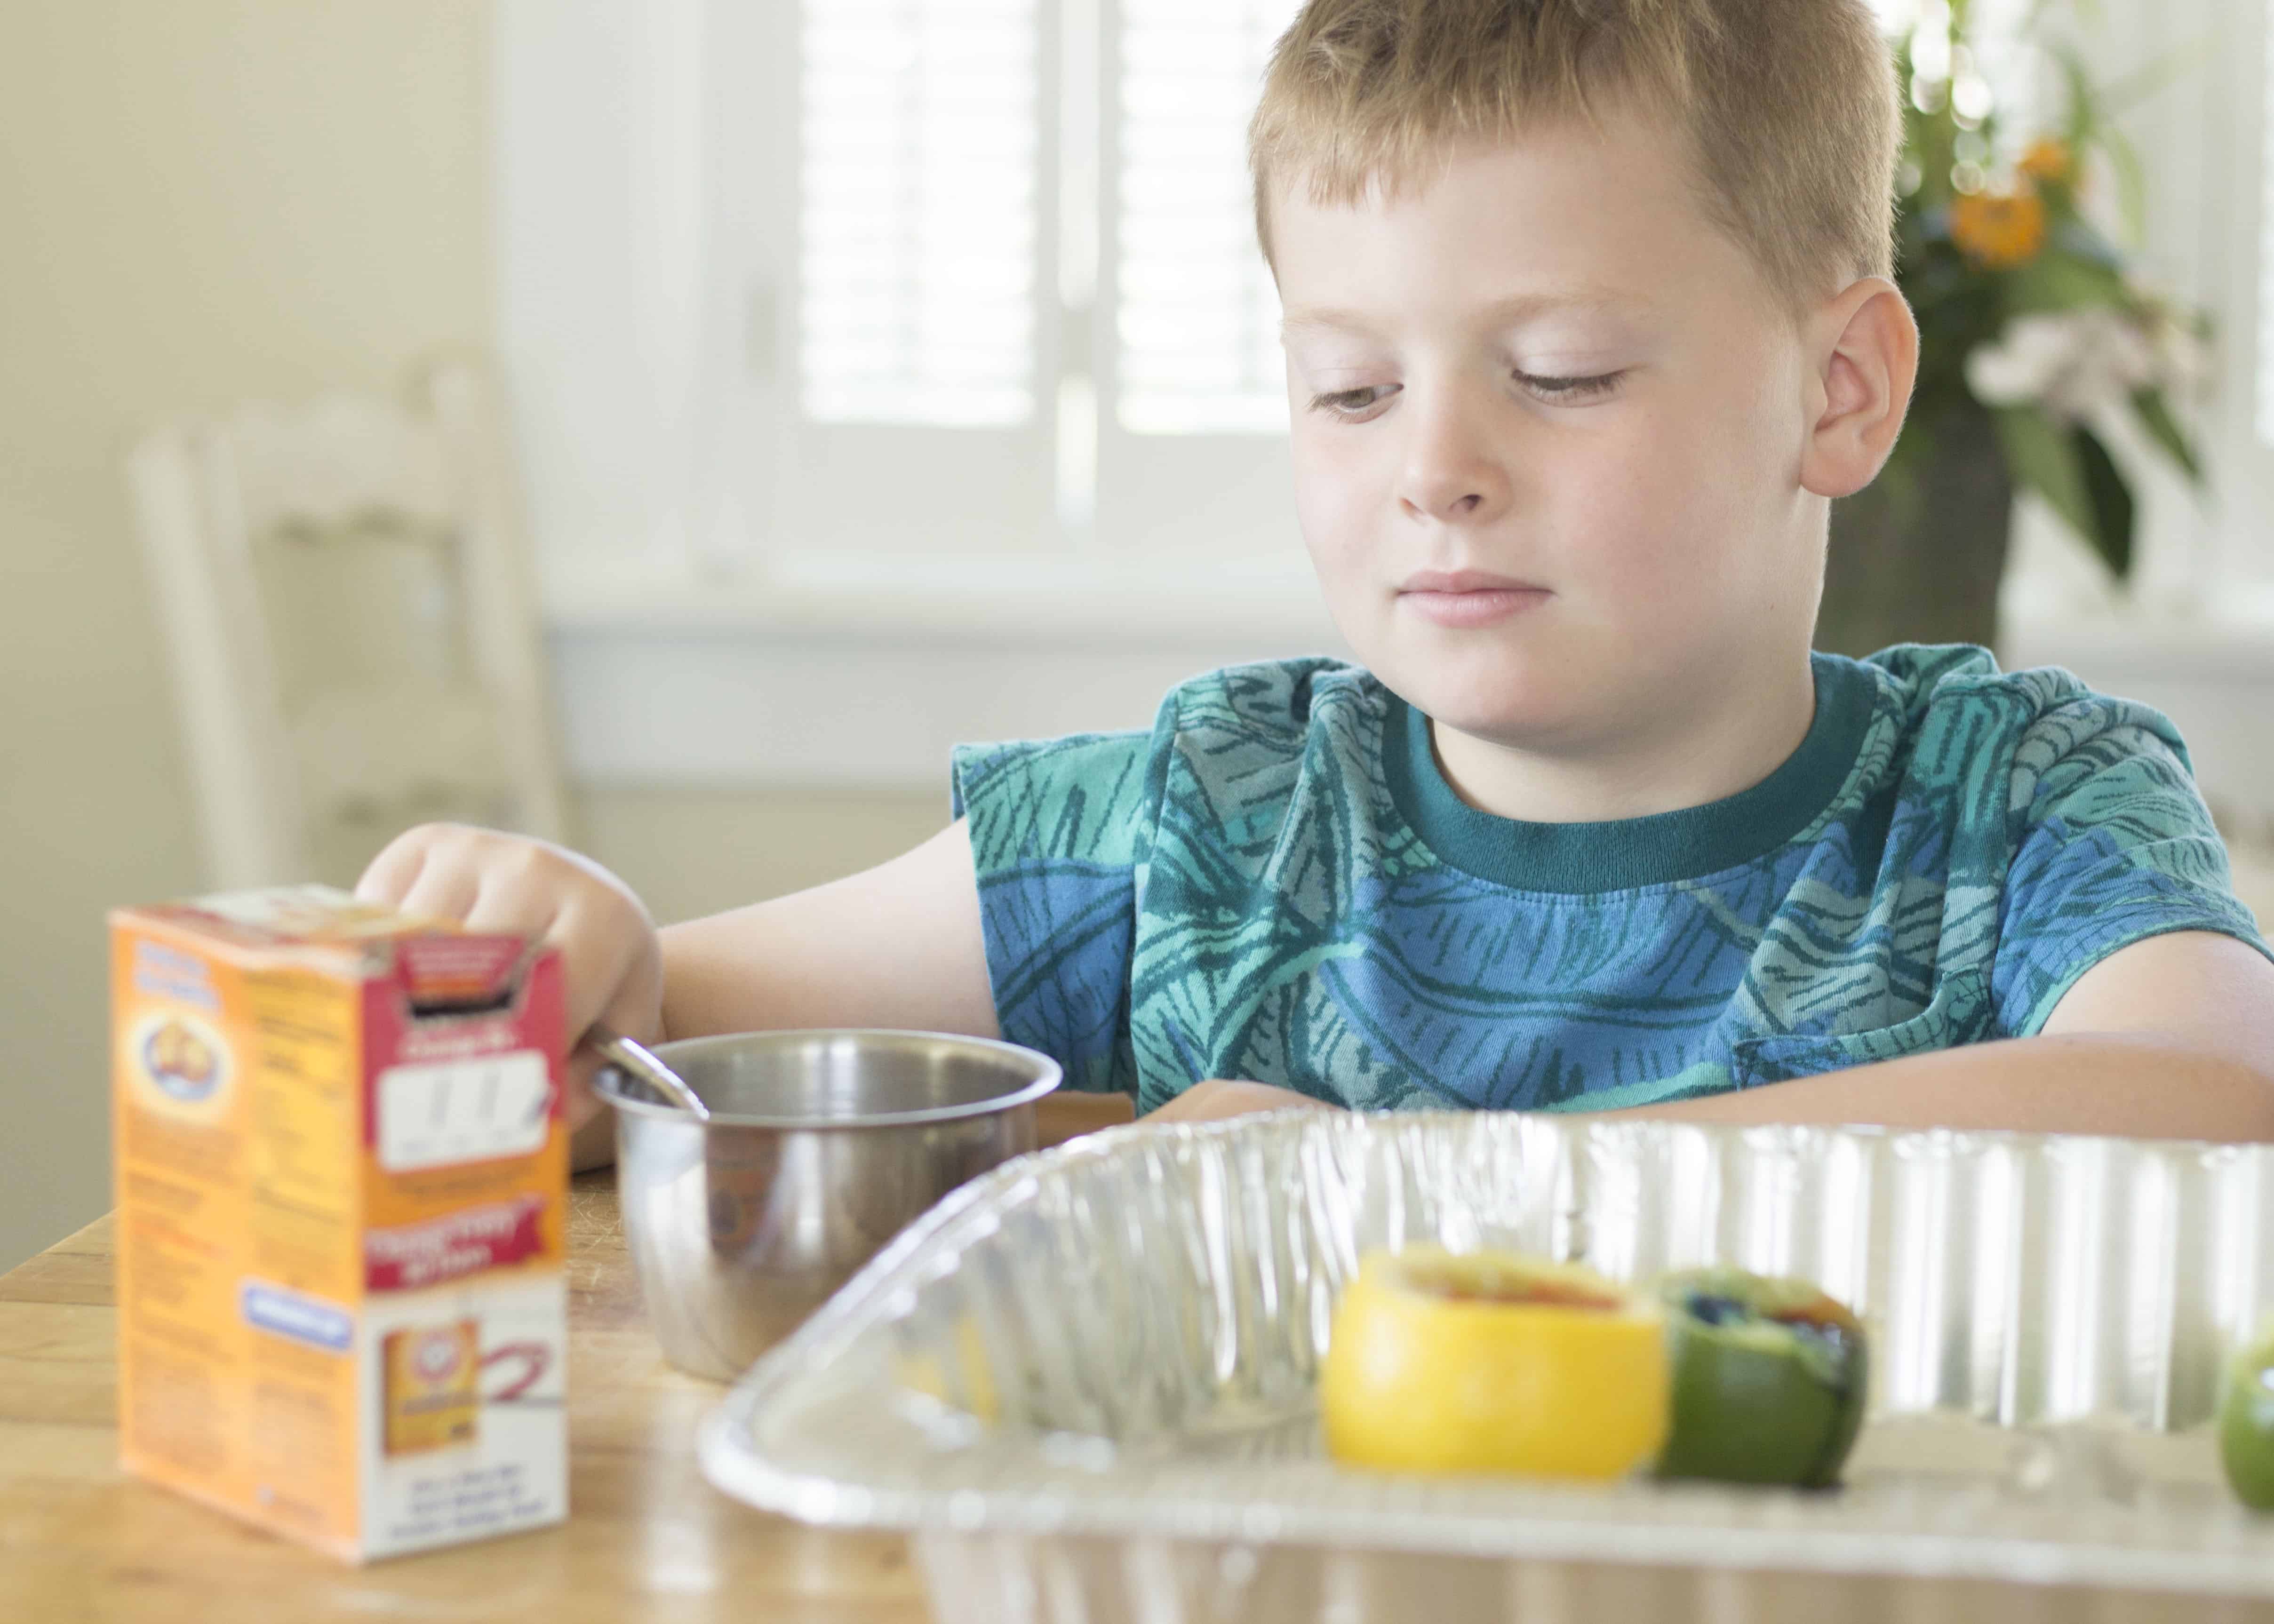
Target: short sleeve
[[1059, 829], [2112, 844]]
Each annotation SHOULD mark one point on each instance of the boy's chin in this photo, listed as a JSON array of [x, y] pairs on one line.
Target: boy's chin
[[1510, 700]]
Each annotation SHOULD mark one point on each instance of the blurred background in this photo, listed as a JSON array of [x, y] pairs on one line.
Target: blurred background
[[673, 424]]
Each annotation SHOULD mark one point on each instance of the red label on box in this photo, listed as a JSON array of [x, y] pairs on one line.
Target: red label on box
[[446, 1249], [446, 970]]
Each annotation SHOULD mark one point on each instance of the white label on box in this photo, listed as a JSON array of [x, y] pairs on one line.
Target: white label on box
[[463, 1110], [507, 1469]]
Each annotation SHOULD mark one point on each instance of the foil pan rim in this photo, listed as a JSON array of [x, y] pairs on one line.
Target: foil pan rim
[[1038, 1503]]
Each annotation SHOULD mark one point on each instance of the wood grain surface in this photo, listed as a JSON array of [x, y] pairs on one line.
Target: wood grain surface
[[647, 1538]]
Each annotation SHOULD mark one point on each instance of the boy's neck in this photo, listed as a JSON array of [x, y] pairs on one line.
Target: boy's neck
[[1691, 756]]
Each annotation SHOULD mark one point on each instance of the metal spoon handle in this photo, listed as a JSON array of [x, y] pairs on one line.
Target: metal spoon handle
[[621, 1052]]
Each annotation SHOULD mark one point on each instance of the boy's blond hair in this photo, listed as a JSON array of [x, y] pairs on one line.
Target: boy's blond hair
[[1789, 107]]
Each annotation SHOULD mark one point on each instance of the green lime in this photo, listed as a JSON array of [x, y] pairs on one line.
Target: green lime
[[1769, 1379], [2246, 1422]]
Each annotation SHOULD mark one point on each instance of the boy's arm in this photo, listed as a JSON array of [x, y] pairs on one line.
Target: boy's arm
[[900, 945], [2169, 1038], [897, 945]]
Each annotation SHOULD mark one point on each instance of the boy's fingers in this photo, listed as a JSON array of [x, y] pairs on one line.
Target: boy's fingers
[[444, 890], [511, 910], [582, 1104], [593, 1143], [634, 1005], [590, 969], [609, 966], [634, 1009], [393, 872]]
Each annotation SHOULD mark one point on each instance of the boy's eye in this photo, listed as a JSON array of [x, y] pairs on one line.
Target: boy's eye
[[1569, 388], [1356, 404], [1353, 402]]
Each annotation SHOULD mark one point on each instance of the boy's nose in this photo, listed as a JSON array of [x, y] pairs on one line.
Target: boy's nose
[[1443, 500], [1449, 474]]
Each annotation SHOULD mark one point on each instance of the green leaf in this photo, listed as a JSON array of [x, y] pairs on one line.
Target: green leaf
[[2131, 184], [2077, 237], [2155, 415], [2057, 279], [2083, 111], [2111, 535], [2044, 460]]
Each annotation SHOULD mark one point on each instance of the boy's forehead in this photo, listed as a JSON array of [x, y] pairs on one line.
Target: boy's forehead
[[1590, 218], [1509, 310]]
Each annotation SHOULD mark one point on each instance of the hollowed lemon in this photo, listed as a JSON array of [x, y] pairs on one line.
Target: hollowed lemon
[[1489, 1362]]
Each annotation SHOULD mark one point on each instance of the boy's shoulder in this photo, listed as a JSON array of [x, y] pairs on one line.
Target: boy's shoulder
[[1951, 714], [1239, 736], [1921, 677]]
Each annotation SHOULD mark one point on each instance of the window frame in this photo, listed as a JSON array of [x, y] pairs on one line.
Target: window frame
[[706, 212]]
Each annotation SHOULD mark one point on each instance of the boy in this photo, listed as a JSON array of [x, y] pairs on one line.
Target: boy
[[1588, 318]]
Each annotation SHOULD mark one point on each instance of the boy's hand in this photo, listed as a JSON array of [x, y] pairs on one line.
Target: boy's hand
[[1219, 1097], [611, 969]]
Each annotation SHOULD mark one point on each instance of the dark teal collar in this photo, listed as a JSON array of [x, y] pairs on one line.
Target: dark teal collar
[[1625, 853]]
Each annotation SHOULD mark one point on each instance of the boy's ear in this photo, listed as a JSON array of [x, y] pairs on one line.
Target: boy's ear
[[1865, 353]]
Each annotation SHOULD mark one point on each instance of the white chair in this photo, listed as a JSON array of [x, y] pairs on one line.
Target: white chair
[[345, 591]]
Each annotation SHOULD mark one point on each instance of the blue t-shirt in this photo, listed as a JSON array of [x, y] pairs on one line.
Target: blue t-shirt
[[1277, 882]]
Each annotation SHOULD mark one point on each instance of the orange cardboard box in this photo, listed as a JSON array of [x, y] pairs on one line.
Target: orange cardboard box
[[341, 1187]]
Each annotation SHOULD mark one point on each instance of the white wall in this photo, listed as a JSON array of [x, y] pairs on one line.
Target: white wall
[[201, 200]]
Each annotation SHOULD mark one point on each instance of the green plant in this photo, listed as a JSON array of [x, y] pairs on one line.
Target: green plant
[[2024, 304]]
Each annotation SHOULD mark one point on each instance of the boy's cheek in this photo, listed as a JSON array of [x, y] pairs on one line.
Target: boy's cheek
[[1339, 510]]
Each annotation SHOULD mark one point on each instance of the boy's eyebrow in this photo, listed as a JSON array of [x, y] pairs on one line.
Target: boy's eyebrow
[[1519, 307]]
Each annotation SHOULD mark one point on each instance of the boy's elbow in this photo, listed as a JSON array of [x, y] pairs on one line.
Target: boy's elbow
[[2236, 1084], [2252, 1081]]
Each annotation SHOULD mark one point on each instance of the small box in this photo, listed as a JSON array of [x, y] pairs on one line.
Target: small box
[[342, 1187]]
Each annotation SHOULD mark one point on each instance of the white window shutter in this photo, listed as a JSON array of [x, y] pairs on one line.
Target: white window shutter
[[917, 211], [1197, 328]]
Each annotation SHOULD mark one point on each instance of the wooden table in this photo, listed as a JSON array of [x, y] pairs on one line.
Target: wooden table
[[646, 1537]]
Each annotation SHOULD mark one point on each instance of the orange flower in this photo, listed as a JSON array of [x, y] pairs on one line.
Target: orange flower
[[2046, 161], [1997, 230]]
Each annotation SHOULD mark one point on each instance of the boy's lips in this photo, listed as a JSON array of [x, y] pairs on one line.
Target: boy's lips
[[1465, 598]]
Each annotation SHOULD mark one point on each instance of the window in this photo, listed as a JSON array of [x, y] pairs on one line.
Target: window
[[864, 400], [819, 289], [917, 153], [1197, 333], [1024, 279], [919, 163]]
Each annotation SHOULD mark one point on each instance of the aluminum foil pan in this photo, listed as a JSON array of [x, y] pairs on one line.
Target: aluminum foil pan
[[1140, 1316]]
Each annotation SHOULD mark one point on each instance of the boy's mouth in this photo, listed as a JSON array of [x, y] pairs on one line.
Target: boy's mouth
[[1468, 597]]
